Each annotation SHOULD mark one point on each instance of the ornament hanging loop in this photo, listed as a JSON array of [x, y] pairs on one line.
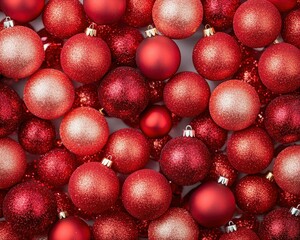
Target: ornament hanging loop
[[223, 180], [295, 211], [151, 31], [91, 31], [208, 31], [107, 161], [188, 131], [270, 176], [63, 215], [231, 227], [8, 22]]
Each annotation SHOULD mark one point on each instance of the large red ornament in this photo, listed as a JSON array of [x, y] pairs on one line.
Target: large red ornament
[[177, 18], [284, 5], [123, 93], [217, 56], [7, 232], [234, 105], [176, 222], [84, 131], [156, 146], [146, 194], [12, 161], [291, 28], [278, 68], [257, 23], [239, 233], [186, 94], [49, 94], [87, 96]]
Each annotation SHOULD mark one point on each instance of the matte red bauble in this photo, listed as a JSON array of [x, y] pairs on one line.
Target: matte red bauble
[[240, 233], [30, 208], [284, 5], [286, 169], [21, 52], [175, 222], [158, 57], [49, 94], [123, 93], [246, 158], [85, 59], [156, 146], [146, 194], [177, 18], [257, 23], [7, 232], [84, 131], [217, 56], [212, 204], [12, 161], [282, 119], [22, 10], [186, 94], [234, 105], [291, 28], [278, 68], [87, 96], [104, 12]]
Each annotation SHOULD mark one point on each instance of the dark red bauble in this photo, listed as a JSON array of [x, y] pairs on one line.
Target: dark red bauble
[[30, 208], [219, 14], [21, 52], [217, 57], [209, 233], [138, 14], [22, 10], [185, 160], [118, 226], [291, 28], [146, 194], [186, 94], [84, 131], [175, 223], [104, 12], [11, 110], [158, 57], [212, 204], [241, 233], [286, 199], [246, 158], [156, 121], [247, 221], [93, 187], [280, 224], [156, 146], [96, 157], [208, 131], [87, 96], [7, 232], [85, 59], [156, 91], [234, 105], [278, 68], [64, 203], [123, 93], [2, 196], [286, 170], [284, 5], [257, 23], [282, 118]]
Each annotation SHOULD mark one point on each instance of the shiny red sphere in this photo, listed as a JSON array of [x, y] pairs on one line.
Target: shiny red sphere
[[241, 233], [284, 5], [291, 28]]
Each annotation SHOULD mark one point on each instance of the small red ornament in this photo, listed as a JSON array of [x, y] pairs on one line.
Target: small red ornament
[[209, 233], [156, 146], [278, 68], [284, 5], [291, 28], [146, 194], [234, 105], [257, 23], [36, 135], [123, 93], [7, 232], [87, 96], [247, 221], [234, 233], [156, 91], [64, 203], [84, 131], [176, 222]]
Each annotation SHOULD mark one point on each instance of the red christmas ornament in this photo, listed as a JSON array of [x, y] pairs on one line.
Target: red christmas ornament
[[31, 173], [123, 93], [186, 94], [185, 160], [291, 28], [278, 68], [175, 222], [156, 121], [22, 10], [96, 157], [84, 131], [30, 208], [156, 146], [36, 135], [7, 232], [12, 162], [93, 187], [216, 56], [284, 5], [104, 12], [282, 118], [209, 233], [286, 199], [286, 169], [234, 233], [2, 196], [158, 57], [64, 203], [10, 110], [257, 23], [87, 96], [247, 221], [246, 158], [49, 94], [142, 226], [146, 194], [156, 91]]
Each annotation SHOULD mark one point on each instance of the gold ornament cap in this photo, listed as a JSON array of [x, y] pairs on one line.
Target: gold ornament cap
[[270, 176], [208, 31], [91, 31], [107, 161], [231, 227], [223, 180], [295, 211], [188, 131], [63, 215], [151, 31], [8, 22]]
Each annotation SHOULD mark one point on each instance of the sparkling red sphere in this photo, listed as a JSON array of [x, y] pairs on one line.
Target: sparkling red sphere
[[291, 28], [241, 233]]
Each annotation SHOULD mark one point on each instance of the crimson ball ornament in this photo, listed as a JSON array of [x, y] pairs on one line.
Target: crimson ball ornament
[[156, 91], [284, 5], [209, 233], [84, 131], [146, 194], [286, 169], [234, 105], [286, 199], [291, 28], [158, 57], [7, 232], [2, 196], [87, 96], [13, 163], [217, 56], [240, 233], [249, 221], [257, 23]]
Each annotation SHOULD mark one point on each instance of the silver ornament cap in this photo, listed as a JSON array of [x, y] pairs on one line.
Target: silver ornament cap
[[151, 31], [231, 227], [223, 180], [188, 131], [8, 22], [107, 161], [295, 211], [91, 31]]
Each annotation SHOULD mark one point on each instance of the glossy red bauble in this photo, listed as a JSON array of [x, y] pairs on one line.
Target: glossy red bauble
[[87, 96], [291, 28], [241, 233], [284, 5]]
